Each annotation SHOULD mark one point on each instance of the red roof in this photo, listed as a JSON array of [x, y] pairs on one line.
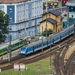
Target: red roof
[[12, 1]]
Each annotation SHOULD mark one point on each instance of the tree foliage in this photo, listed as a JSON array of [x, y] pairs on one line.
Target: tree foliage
[[50, 31], [3, 26], [70, 18]]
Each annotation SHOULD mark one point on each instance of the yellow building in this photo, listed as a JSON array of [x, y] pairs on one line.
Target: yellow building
[[53, 21]]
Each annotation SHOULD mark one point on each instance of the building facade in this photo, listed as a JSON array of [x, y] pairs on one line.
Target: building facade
[[54, 21], [71, 8], [23, 16]]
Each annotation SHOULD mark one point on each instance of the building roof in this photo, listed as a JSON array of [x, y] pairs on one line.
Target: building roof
[[70, 3], [50, 20], [54, 12], [13, 1]]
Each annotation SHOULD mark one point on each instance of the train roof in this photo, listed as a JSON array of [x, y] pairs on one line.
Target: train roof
[[52, 36], [61, 32], [37, 42]]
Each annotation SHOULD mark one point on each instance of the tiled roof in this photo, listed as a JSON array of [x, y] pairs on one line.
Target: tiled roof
[[13, 1], [50, 20], [55, 12]]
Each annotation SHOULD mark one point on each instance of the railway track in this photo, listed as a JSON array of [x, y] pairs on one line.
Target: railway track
[[69, 65], [60, 57], [4, 65]]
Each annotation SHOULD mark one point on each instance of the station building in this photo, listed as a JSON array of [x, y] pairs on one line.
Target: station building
[[23, 15], [54, 21]]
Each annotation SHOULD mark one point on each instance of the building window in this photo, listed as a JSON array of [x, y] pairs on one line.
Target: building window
[[33, 23], [23, 7], [35, 5], [40, 3], [23, 25], [20, 26], [10, 28], [26, 7], [23, 17], [10, 9], [18, 9], [29, 15], [29, 6], [18, 18], [32, 32], [10, 19], [29, 33], [29, 24], [26, 24], [35, 13]]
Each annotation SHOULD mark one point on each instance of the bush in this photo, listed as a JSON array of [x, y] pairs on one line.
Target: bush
[[70, 18], [50, 31]]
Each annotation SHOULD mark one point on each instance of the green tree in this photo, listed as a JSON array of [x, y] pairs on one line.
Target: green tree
[[50, 31], [3, 26]]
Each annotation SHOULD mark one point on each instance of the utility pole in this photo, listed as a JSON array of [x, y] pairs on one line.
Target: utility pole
[[35, 28], [50, 50], [46, 5], [61, 6], [10, 46], [46, 18], [68, 16], [42, 38], [56, 63], [46, 25]]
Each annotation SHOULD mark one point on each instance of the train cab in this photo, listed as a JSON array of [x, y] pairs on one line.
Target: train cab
[[23, 50]]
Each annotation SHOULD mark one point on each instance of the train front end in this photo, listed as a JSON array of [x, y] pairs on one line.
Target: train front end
[[23, 50]]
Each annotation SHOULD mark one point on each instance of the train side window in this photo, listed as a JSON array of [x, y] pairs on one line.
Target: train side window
[[35, 47]]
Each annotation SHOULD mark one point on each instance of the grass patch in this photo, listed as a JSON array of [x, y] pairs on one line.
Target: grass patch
[[41, 67]]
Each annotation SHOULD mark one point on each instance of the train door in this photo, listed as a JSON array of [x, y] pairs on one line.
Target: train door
[[33, 49]]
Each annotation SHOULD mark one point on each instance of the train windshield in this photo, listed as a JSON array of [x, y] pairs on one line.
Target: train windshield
[[22, 49]]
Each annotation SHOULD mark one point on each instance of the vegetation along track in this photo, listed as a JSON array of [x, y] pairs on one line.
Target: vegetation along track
[[4, 65]]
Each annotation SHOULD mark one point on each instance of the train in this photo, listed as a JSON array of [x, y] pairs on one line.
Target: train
[[36, 46], [14, 46]]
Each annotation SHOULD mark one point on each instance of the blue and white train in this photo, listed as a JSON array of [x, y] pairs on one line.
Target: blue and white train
[[35, 46]]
